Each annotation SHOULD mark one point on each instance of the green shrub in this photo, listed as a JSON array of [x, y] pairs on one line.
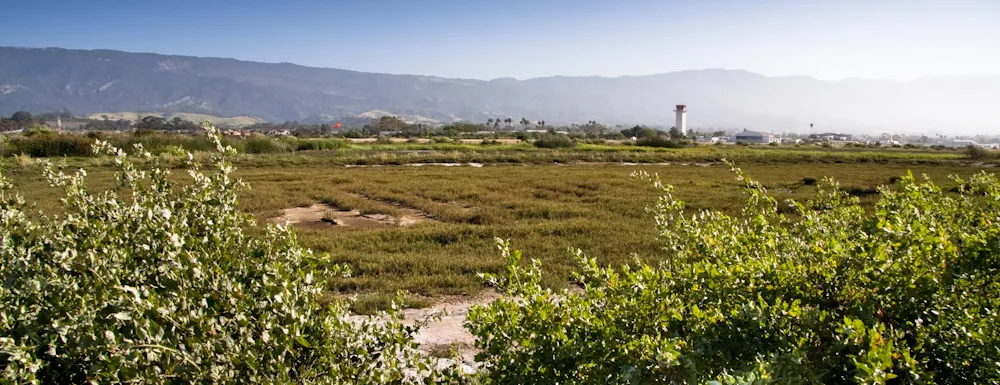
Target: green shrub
[[382, 139], [976, 152], [97, 135], [907, 293], [176, 285], [174, 150], [441, 139], [263, 145], [157, 143], [38, 129], [659, 141], [554, 141], [51, 145], [490, 142], [320, 144]]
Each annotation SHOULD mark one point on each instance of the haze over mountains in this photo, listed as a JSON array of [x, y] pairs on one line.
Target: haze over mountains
[[86, 82]]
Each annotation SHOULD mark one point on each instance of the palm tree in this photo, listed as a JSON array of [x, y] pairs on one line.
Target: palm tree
[[489, 122], [525, 122]]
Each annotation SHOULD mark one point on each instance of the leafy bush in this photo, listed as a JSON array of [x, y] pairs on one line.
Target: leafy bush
[[37, 129], [263, 145], [320, 144], [382, 139], [173, 285], [174, 150], [906, 293], [490, 142], [659, 141], [157, 143], [50, 145], [441, 139], [554, 141], [976, 152]]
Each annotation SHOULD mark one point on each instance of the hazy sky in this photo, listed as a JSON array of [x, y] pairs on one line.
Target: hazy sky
[[830, 40]]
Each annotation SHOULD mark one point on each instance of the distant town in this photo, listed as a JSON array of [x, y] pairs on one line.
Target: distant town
[[500, 127]]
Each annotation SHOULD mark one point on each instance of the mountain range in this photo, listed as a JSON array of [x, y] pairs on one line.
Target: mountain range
[[94, 81]]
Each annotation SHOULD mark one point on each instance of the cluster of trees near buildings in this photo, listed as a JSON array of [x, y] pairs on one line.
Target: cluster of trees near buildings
[[20, 120], [359, 127]]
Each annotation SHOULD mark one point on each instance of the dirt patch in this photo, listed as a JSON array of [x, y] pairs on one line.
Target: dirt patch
[[418, 165], [298, 215], [446, 333], [321, 215]]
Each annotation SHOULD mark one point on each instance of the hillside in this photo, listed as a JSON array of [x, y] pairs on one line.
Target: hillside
[[192, 117], [101, 80]]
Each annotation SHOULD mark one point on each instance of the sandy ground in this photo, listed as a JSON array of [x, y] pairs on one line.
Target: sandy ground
[[324, 215], [439, 337]]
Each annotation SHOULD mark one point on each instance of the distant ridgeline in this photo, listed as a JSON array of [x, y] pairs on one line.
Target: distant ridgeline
[[87, 82], [23, 120]]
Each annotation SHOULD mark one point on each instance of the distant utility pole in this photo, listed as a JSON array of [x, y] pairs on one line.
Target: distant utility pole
[[810, 129]]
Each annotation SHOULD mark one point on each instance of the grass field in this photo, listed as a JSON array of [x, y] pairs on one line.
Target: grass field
[[544, 209]]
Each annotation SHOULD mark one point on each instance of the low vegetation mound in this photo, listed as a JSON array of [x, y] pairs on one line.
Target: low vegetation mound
[[554, 141], [176, 285], [660, 142], [907, 293]]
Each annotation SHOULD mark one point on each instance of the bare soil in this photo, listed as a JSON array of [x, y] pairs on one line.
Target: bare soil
[[329, 216], [446, 333]]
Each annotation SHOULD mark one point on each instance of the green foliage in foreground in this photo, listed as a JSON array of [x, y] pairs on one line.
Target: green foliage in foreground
[[175, 285], [906, 293]]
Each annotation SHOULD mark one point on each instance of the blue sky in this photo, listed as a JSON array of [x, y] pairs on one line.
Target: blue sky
[[881, 39]]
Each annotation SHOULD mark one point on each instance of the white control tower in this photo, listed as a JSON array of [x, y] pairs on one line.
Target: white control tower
[[681, 119]]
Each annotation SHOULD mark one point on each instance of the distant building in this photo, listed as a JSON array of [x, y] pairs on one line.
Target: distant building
[[681, 119], [834, 137], [752, 137], [967, 142], [711, 139]]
